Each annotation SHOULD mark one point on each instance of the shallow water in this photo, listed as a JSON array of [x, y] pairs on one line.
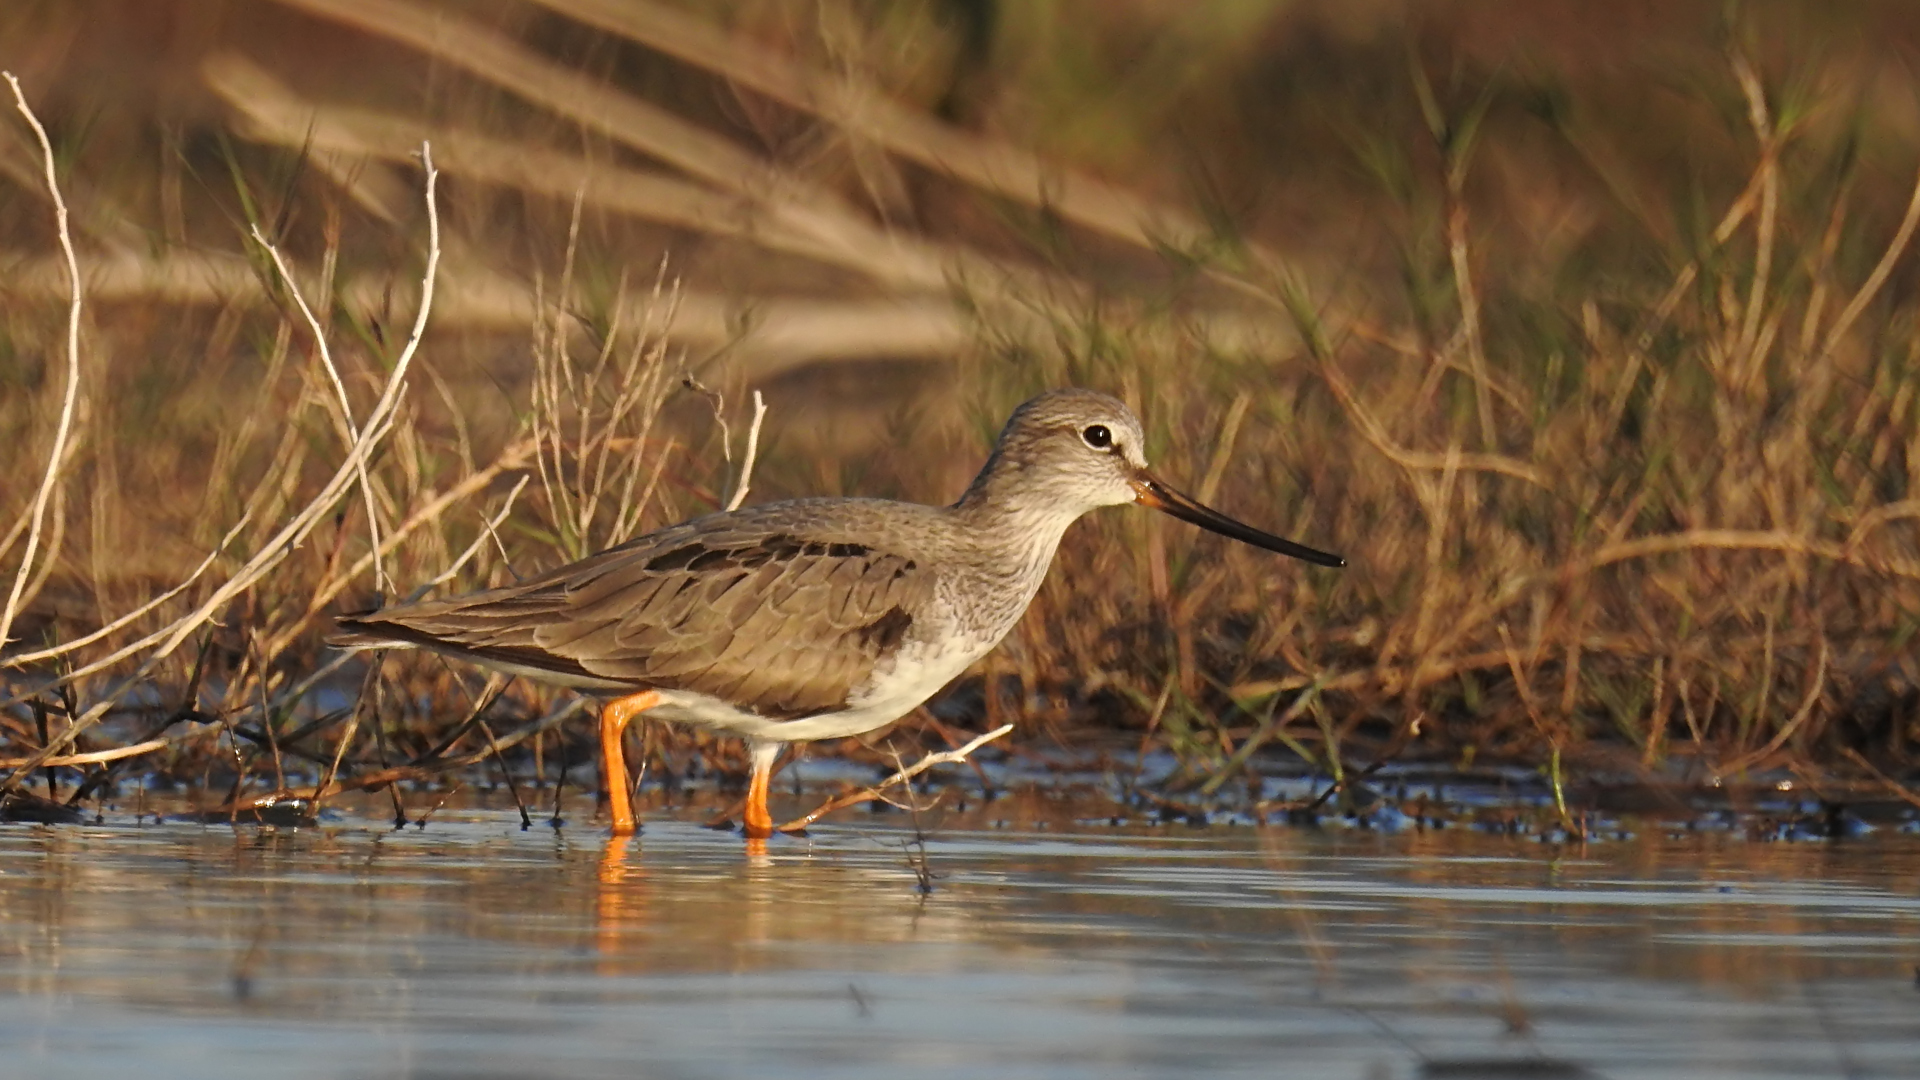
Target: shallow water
[[475, 949]]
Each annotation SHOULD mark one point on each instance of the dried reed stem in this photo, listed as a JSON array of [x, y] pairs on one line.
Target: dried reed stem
[[1875, 280], [901, 776], [287, 538], [121, 623], [57, 456], [753, 451], [351, 432], [866, 112]]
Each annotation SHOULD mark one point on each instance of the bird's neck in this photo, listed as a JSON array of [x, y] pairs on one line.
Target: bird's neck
[[1010, 507]]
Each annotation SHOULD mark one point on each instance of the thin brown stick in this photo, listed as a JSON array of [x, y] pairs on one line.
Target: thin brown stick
[[367, 685], [496, 685], [65, 647], [512, 457], [351, 430], [1376, 435], [1780, 737], [1894, 787], [97, 757], [513, 788], [373, 781], [944, 757], [1460, 255], [1882, 270]]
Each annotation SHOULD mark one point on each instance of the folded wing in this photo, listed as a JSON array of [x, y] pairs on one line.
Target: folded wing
[[783, 625]]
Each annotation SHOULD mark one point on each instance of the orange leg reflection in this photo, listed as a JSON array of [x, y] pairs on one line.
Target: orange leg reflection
[[758, 823], [615, 715], [620, 898]]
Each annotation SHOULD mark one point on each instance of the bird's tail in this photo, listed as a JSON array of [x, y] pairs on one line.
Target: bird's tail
[[361, 630]]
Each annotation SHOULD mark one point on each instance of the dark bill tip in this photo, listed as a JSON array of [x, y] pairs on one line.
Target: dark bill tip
[[1151, 491]]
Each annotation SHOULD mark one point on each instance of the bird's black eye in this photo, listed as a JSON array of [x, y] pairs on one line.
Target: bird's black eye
[[1098, 437]]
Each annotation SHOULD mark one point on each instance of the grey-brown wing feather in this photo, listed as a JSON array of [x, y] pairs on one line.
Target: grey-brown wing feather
[[778, 623]]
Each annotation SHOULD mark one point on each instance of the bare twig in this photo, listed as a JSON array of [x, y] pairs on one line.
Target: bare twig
[[944, 757], [439, 767], [753, 450], [496, 685], [488, 531], [1376, 434], [56, 457], [290, 535], [325, 785], [1894, 787], [513, 788], [49, 653], [97, 757], [1875, 280], [350, 431], [1524, 686], [513, 456], [1814, 689]]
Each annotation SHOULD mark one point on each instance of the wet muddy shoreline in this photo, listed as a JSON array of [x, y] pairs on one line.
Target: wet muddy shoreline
[[1071, 791]]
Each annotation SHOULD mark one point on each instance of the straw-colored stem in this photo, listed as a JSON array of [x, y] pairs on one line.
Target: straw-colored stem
[[50, 479]]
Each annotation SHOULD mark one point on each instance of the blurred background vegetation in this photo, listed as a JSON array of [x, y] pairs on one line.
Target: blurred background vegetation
[[1587, 332]]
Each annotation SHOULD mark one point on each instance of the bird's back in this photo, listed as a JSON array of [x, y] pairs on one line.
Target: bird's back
[[784, 609]]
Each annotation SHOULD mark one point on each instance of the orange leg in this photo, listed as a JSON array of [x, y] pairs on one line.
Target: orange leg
[[615, 715], [758, 822]]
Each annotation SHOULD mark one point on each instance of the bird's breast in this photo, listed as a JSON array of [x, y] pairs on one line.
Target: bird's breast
[[917, 670]]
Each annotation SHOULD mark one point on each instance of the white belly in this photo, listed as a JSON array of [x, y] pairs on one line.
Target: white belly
[[917, 673]]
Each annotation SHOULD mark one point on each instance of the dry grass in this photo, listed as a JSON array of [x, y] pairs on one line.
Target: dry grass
[[1678, 527], [1627, 477]]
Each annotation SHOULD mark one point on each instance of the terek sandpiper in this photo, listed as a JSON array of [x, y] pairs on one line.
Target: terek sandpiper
[[812, 618]]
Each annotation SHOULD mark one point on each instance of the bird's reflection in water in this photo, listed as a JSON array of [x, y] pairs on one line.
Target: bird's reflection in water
[[624, 908], [620, 897], [761, 881]]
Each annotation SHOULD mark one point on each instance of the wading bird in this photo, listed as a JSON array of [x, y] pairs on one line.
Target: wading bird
[[813, 618]]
